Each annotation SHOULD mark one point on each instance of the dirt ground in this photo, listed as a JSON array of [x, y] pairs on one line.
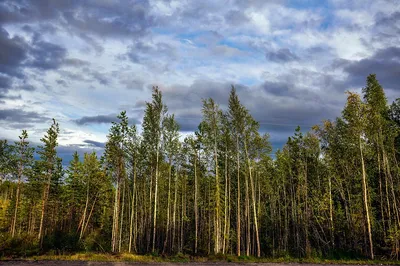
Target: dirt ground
[[82, 263]]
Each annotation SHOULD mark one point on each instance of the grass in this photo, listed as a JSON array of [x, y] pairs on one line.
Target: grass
[[181, 258]]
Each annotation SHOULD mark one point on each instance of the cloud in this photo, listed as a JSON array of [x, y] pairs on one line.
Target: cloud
[[13, 52], [385, 63], [65, 152], [98, 119], [46, 55], [281, 56], [388, 26], [144, 51], [101, 119], [5, 82], [83, 61], [103, 18], [75, 62], [17, 118], [95, 143]]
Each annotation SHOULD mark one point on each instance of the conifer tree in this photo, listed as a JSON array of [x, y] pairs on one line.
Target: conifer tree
[[48, 156]]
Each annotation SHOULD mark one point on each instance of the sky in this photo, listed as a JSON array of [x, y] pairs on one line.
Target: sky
[[291, 61]]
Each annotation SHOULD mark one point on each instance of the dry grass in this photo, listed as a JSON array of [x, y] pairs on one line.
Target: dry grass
[[180, 258]]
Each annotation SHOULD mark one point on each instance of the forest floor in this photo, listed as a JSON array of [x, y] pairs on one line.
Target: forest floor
[[126, 259], [116, 263]]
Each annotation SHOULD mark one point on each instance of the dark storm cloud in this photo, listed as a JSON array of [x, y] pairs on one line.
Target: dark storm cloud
[[5, 83], [98, 119], [142, 51], [26, 87], [101, 119], [17, 118], [186, 101], [95, 143], [111, 18], [32, 10], [385, 63], [75, 62], [12, 53], [103, 18], [65, 152], [388, 25], [276, 88], [46, 56], [279, 106], [281, 56]]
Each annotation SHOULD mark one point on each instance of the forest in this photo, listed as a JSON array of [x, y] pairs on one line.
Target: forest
[[331, 192]]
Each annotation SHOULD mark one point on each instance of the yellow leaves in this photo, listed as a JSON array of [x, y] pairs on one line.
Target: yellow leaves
[[4, 204]]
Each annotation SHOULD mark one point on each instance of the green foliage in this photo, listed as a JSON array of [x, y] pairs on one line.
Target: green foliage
[[313, 201], [21, 246]]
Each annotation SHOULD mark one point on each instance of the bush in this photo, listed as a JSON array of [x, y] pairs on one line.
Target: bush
[[20, 246]]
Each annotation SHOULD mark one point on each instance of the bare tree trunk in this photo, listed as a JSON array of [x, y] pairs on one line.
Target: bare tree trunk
[[85, 210], [155, 201], [365, 194], [90, 214], [20, 171], [226, 202], [238, 198], [133, 209], [247, 217], [174, 211], [122, 215], [254, 203], [46, 192], [331, 212], [150, 214], [196, 215], [115, 217], [168, 207], [228, 237], [217, 248], [183, 212]]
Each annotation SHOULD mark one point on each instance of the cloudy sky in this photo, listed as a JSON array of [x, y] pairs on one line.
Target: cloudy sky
[[82, 62]]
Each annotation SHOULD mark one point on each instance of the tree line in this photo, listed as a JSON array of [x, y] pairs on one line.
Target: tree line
[[333, 191]]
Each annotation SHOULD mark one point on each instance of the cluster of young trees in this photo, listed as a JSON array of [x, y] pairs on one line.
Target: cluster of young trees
[[331, 190]]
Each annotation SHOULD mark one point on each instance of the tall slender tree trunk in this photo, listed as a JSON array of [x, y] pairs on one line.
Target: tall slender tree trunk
[[196, 210], [365, 195], [122, 215], [90, 214], [238, 198], [114, 236], [183, 212], [331, 212], [155, 201], [226, 203], [46, 192], [228, 238], [217, 199], [17, 196], [168, 207], [174, 210], [149, 216], [84, 211], [131, 236], [254, 202], [247, 216]]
